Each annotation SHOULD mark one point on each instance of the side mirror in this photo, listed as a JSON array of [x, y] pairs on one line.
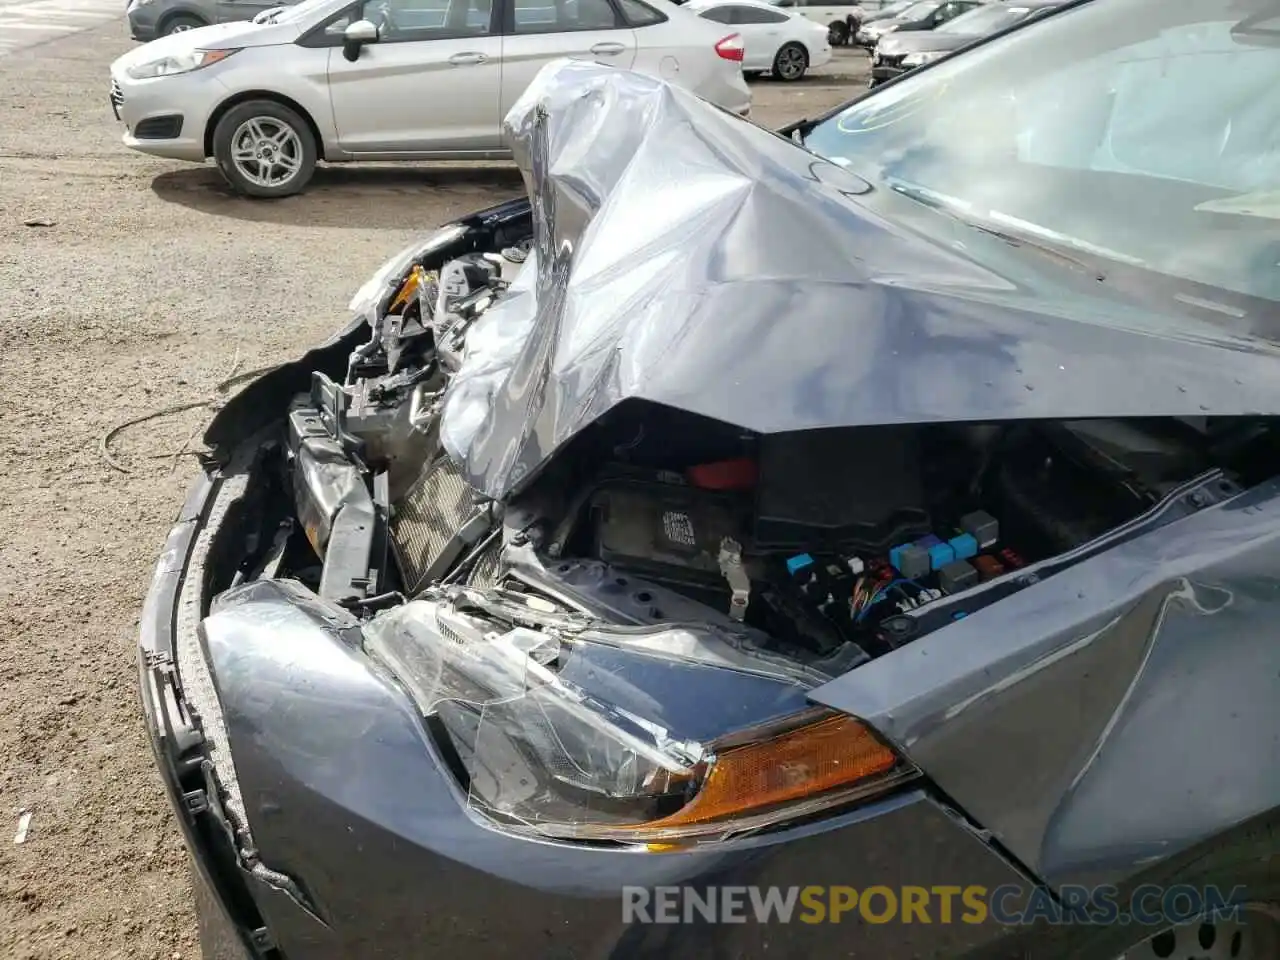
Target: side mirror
[[356, 36]]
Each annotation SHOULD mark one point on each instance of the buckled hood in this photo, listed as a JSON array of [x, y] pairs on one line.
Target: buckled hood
[[687, 258]]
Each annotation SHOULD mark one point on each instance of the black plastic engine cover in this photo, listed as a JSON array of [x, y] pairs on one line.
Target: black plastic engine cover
[[840, 489], [669, 532]]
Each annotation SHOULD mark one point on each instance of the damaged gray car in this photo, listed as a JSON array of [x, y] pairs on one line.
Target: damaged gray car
[[872, 507]]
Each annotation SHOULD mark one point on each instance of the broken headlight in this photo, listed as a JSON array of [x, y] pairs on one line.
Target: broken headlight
[[365, 300], [556, 749]]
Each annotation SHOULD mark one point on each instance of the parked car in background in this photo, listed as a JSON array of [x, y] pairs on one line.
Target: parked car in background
[[864, 13], [149, 19], [901, 51], [870, 9], [778, 41], [839, 16], [832, 14], [923, 15], [337, 80]]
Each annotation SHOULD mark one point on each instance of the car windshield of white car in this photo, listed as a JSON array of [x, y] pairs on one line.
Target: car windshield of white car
[[1139, 131], [988, 18]]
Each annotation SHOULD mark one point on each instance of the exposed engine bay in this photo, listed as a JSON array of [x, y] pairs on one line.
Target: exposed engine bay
[[651, 527], [607, 494], [829, 547]]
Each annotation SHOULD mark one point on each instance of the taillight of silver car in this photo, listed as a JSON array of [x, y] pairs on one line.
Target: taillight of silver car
[[731, 48]]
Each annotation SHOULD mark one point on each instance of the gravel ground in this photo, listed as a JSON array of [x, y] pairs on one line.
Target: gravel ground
[[151, 285]]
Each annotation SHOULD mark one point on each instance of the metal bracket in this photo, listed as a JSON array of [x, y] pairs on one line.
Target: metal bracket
[[736, 575]]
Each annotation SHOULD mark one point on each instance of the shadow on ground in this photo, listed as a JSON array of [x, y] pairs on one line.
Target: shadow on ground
[[344, 196]]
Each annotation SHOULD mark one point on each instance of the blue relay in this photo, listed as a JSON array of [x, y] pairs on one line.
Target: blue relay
[[940, 554], [964, 546], [799, 562]]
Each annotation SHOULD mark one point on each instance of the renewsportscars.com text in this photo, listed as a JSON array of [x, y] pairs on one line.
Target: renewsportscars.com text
[[1011, 905]]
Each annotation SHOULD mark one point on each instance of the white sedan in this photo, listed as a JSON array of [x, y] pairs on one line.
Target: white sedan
[[777, 40], [344, 80]]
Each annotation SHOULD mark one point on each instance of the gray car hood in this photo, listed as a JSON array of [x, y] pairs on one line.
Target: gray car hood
[[688, 258]]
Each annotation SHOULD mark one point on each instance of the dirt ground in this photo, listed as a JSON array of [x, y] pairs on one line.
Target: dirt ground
[[151, 285]]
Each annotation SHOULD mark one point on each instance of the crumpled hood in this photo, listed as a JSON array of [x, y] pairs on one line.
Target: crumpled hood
[[217, 36], [686, 257]]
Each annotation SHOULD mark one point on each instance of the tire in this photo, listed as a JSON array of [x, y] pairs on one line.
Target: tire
[[790, 63], [179, 23], [1250, 859], [264, 149], [838, 33]]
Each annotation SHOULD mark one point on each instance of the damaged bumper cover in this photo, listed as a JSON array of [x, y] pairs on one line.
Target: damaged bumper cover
[[399, 780], [362, 837]]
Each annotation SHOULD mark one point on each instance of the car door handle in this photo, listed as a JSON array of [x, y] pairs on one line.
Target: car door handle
[[608, 49], [467, 59]]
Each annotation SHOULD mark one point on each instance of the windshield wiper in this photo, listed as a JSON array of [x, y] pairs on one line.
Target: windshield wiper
[[961, 211], [1020, 241]]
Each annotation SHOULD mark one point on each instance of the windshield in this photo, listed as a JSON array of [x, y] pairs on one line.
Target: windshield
[[986, 19], [1141, 131], [917, 11]]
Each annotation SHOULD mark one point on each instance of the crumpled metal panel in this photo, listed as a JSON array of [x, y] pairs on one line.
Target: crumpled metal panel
[[686, 257], [1113, 715]]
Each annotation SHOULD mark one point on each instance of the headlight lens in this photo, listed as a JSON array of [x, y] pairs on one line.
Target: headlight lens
[[178, 63], [919, 59], [546, 756], [369, 293]]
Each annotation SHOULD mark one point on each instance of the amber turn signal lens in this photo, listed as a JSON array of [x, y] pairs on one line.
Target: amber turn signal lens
[[831, 754], [407, 290]]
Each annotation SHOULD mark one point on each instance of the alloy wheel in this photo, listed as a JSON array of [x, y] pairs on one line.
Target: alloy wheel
[[790, 63], [267, 152], [1254, 935]]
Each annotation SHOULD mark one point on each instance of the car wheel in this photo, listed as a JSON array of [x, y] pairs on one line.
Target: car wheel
[[180, 23], [1254, 935], [1241, 869], [264, 149], [838, 34], [791, 62]]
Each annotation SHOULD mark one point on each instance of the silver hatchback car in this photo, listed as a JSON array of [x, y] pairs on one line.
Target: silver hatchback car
[[347, 80]]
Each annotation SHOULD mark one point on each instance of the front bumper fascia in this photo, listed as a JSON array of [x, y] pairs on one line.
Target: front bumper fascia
[[884, 73], [175, 736], [347, 796], [194, 96]]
